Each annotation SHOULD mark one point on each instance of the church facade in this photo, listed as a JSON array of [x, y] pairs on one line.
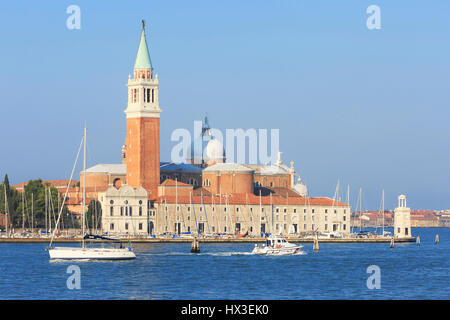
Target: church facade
[[143, 196]]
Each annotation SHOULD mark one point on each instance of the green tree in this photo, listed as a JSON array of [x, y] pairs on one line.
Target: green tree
[[12, 205], [94, 215]]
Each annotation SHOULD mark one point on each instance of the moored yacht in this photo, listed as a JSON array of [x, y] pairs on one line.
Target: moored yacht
[[83, 252]]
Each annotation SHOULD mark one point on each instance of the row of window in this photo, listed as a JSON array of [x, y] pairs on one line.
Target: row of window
[[149, 95], [213, 228], [126, 202], [128, 211], [140, 226], [277, 210]]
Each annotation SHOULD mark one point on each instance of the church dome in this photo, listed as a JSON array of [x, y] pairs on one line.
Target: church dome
[[214, 150], [300, 188]]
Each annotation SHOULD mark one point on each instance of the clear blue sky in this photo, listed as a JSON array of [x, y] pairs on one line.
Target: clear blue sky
[[368, 107]]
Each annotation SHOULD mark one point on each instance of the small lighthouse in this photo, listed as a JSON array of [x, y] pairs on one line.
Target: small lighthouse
[[402, 219]]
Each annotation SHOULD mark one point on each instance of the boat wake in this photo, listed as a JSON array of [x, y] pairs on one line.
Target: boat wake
[[214, 254]]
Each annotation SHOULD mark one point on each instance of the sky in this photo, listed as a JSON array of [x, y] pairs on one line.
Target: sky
[[369, 108]]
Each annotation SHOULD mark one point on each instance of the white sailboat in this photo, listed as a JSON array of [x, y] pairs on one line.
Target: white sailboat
[[83, 252]]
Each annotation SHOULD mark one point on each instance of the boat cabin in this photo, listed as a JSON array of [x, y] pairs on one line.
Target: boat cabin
[[275, 242]]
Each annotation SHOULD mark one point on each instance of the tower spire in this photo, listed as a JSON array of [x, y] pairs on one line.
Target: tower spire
[[143, 64]]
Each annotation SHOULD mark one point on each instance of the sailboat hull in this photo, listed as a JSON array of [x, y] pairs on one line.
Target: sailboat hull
[[66, 253]]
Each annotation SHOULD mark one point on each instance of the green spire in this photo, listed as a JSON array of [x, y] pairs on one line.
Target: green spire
[[143, 57]]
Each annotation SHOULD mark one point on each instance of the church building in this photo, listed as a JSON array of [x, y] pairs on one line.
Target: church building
[[143, 196]]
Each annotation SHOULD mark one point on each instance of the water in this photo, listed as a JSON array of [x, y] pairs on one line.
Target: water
[[228, 271]]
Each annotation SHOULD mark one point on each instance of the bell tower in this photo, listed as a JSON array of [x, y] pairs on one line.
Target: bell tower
[[141, 151]]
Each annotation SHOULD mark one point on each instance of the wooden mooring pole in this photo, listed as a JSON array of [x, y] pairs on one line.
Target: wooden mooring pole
[[316, 245], [195, 246]]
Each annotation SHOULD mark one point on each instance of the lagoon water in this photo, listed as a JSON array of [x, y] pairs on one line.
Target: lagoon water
[[228, 271]]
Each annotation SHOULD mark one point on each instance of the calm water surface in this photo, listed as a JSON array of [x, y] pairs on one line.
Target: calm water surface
[[228, 271]]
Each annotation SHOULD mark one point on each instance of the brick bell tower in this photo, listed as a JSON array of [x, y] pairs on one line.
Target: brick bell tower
[[141, 151]]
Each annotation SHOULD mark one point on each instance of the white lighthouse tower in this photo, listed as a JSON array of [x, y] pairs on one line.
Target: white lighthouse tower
[[402, 219]]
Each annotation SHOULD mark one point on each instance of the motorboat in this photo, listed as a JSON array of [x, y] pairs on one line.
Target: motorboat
[[276, 246]]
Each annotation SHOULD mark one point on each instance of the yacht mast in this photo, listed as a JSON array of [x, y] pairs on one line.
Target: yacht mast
[[360, 209], [6, 210], [23, 210], [45, 210], [32, 213], [382, 208], [84, 189]]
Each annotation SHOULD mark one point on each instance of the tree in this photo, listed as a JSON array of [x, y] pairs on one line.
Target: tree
[[94, 214]]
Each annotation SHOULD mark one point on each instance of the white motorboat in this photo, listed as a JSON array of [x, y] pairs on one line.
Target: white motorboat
[[277, 246]]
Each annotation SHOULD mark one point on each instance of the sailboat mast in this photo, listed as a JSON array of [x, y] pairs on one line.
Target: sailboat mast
[[6, 210], [45, 209], [360, 209], [23, 209], [382, 208], [84, 188], [32, 213]]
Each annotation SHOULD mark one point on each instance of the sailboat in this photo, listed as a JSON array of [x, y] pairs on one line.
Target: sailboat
[[83, 252]]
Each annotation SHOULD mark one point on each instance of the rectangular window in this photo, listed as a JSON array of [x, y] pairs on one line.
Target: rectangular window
[[121, 211], [326, 226], [126, 226], [140, 211], [111, 227], [111, 211], [140, 226], [131, 211], [153, 95]]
